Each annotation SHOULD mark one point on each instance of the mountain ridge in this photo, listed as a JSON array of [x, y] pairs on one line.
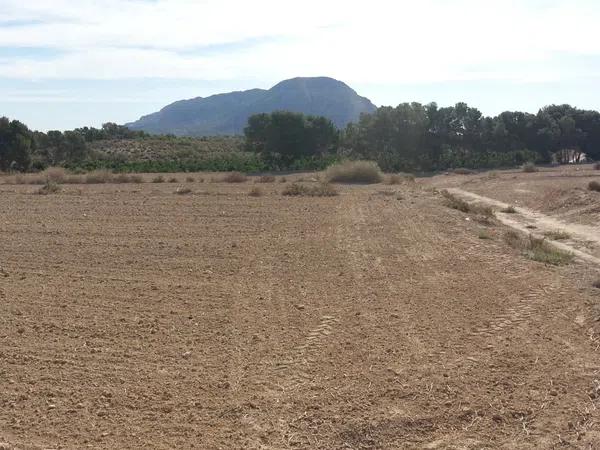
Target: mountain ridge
[[227, 113]]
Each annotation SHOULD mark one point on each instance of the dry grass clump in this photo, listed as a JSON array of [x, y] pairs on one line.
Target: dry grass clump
[[234, 177], [399, 178], [318, 190], [484, 234], [596, 166], [594, 186], [454, 202], [529, 168], [558, 235], [182, 190], [596, 284], [509, 210], [266, 179], [364, 172], [255, 192], [99, 177], [283, 180], [189, 179], [50, 187], [55, 174], [537, 249], [463, 171], [173, 180], [158, 179], [127, 178]]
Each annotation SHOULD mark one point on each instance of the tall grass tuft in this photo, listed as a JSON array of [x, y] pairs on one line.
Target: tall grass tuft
[[364, 172]]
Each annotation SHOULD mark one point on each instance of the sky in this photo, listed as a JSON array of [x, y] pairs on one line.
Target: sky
[[72, 63]]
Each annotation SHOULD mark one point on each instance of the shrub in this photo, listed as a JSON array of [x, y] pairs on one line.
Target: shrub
[[267, 179], [558, 235], [366, 172], [456, 203], [512, 238], [484, 235], [158, 179], [529, 167], [55, 174], [98, 177], [173, 180], [181, 190], [319, 190], [594, 186], [283, 180], [50, 187], [126, 178], [509, 210], [234, 177], [597, 166], [537, 249], [596, 284], [73, 179], [399, 178], [463, 171], [189, 179], [255, 192]]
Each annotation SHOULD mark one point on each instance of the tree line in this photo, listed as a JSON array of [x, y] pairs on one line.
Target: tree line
[[410, 137], [22, 149], [422, 138]]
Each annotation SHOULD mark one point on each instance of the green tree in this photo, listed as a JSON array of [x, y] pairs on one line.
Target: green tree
[[15, 145]]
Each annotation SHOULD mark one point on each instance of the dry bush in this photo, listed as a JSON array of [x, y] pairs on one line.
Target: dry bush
[[127, 178], [364, 172], [99, 177], [538, 249], [318, 190], [483, 234], [558, 235], [529, 168], [255, 192], [50, 187], [283, 180], [509, 210], [454, 202], [173, 180], [234, 177], [189, 179], [596, 166], [181, 190], [266, 179], [56, 174], [596, 284], [463, 171], [399, 178], [485, 212], [158, 179], [30, 179], [594, 186]]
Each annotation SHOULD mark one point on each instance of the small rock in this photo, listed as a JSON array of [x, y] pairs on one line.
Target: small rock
[[300, 307], [187, 354]]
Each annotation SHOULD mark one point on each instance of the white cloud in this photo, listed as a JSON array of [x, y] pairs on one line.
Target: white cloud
[[357, 41]]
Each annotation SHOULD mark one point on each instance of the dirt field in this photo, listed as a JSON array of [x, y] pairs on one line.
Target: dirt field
[[560, 191], [131, 317]]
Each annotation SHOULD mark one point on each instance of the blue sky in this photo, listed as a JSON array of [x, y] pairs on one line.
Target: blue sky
[[70, 63]]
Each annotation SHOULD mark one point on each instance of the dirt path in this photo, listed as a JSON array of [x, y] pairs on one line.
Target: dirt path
[[372, 320], [584, 240]]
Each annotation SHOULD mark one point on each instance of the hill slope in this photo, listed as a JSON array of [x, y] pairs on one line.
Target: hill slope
[[228, 113]]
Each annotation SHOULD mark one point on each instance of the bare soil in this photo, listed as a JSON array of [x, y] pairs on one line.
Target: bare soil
[[132, 317]]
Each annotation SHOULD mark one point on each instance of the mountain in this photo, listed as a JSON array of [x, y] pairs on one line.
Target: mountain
[[227, 114]]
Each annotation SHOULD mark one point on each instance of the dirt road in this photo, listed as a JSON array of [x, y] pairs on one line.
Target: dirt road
[[131, 317]]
